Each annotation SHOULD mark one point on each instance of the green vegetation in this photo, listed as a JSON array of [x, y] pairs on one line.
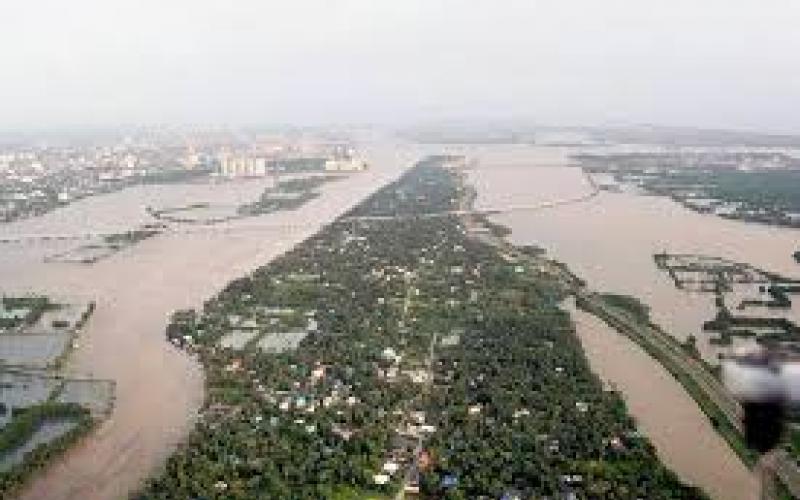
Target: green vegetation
[[39, 413], [690, 346], [48, 187], [25, 422], [297, 165], [496, 230], [416, 194], [286, 195], [172, 176], [632, 305], [23, 426], [532, 250], [792, 443], [304, 184], [770, 193], [672, 356], [782, 492], [371, 400], [173, 214], [756, 187], [20, 311], [158, 213], [708, 274], [121, 240], [108, 244]]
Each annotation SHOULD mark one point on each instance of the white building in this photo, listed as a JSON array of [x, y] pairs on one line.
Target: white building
[[242, 166], [345, 165]]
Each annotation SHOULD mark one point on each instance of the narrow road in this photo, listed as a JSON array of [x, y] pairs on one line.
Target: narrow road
[[779, 462], [667, 347], [464, 210], [412, 471]]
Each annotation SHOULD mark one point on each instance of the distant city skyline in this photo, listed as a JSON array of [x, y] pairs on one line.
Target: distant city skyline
[[92, 63]]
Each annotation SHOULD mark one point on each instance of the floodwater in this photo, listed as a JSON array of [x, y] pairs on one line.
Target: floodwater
[[682, 435], [159, 389], [47, 432], [609, 240]]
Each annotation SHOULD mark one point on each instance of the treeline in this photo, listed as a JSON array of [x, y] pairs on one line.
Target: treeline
[[274, 199], [36, 306], [23, 425], [511, 407], [427, 188]]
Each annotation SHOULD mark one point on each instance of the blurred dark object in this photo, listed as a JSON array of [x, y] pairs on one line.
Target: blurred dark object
[[763, 424], [766, 382]]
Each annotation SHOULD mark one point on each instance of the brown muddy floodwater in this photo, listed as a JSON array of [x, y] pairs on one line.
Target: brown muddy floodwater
[[684, 438], [609, 240], [159, 389]]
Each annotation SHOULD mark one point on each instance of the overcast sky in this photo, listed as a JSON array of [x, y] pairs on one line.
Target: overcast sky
[[720, 63]]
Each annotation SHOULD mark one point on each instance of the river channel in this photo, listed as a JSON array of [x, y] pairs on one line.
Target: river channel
[[609, 240], [158, 388]]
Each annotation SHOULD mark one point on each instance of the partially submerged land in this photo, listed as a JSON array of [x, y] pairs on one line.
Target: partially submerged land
[[421, 357], [105, 245], [751, 305], [25, 194], [631, 318], [759, 187], [756, 294], [288, 194], [41, 412], [610, 240], [285, 195], [158, 390], [38, 177]]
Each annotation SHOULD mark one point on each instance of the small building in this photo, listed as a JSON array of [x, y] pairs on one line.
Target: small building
[[381, 479], [449, 481], [345, 165]]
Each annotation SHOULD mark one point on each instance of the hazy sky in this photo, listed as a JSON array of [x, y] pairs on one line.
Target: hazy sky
[[724, 63]]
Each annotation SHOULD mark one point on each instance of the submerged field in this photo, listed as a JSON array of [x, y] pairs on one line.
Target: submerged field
[[41, 411]]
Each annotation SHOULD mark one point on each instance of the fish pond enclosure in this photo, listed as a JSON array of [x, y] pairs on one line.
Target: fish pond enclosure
[[750, 302], [42, 412]]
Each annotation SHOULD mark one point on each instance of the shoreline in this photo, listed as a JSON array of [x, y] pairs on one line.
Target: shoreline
[[274, 396], [695, 403], [153, 414]]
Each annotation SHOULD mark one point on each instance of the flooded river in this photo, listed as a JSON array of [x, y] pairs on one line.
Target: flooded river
[[609, 240], [159, 389], [684, 438]]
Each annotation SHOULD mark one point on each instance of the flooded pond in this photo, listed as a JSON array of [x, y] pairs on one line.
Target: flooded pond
[[47, 432]]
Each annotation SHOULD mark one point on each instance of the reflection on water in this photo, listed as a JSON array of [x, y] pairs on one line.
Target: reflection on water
[[159, 389]]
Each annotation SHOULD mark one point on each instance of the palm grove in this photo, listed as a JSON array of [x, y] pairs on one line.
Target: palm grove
[[428, 362]]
